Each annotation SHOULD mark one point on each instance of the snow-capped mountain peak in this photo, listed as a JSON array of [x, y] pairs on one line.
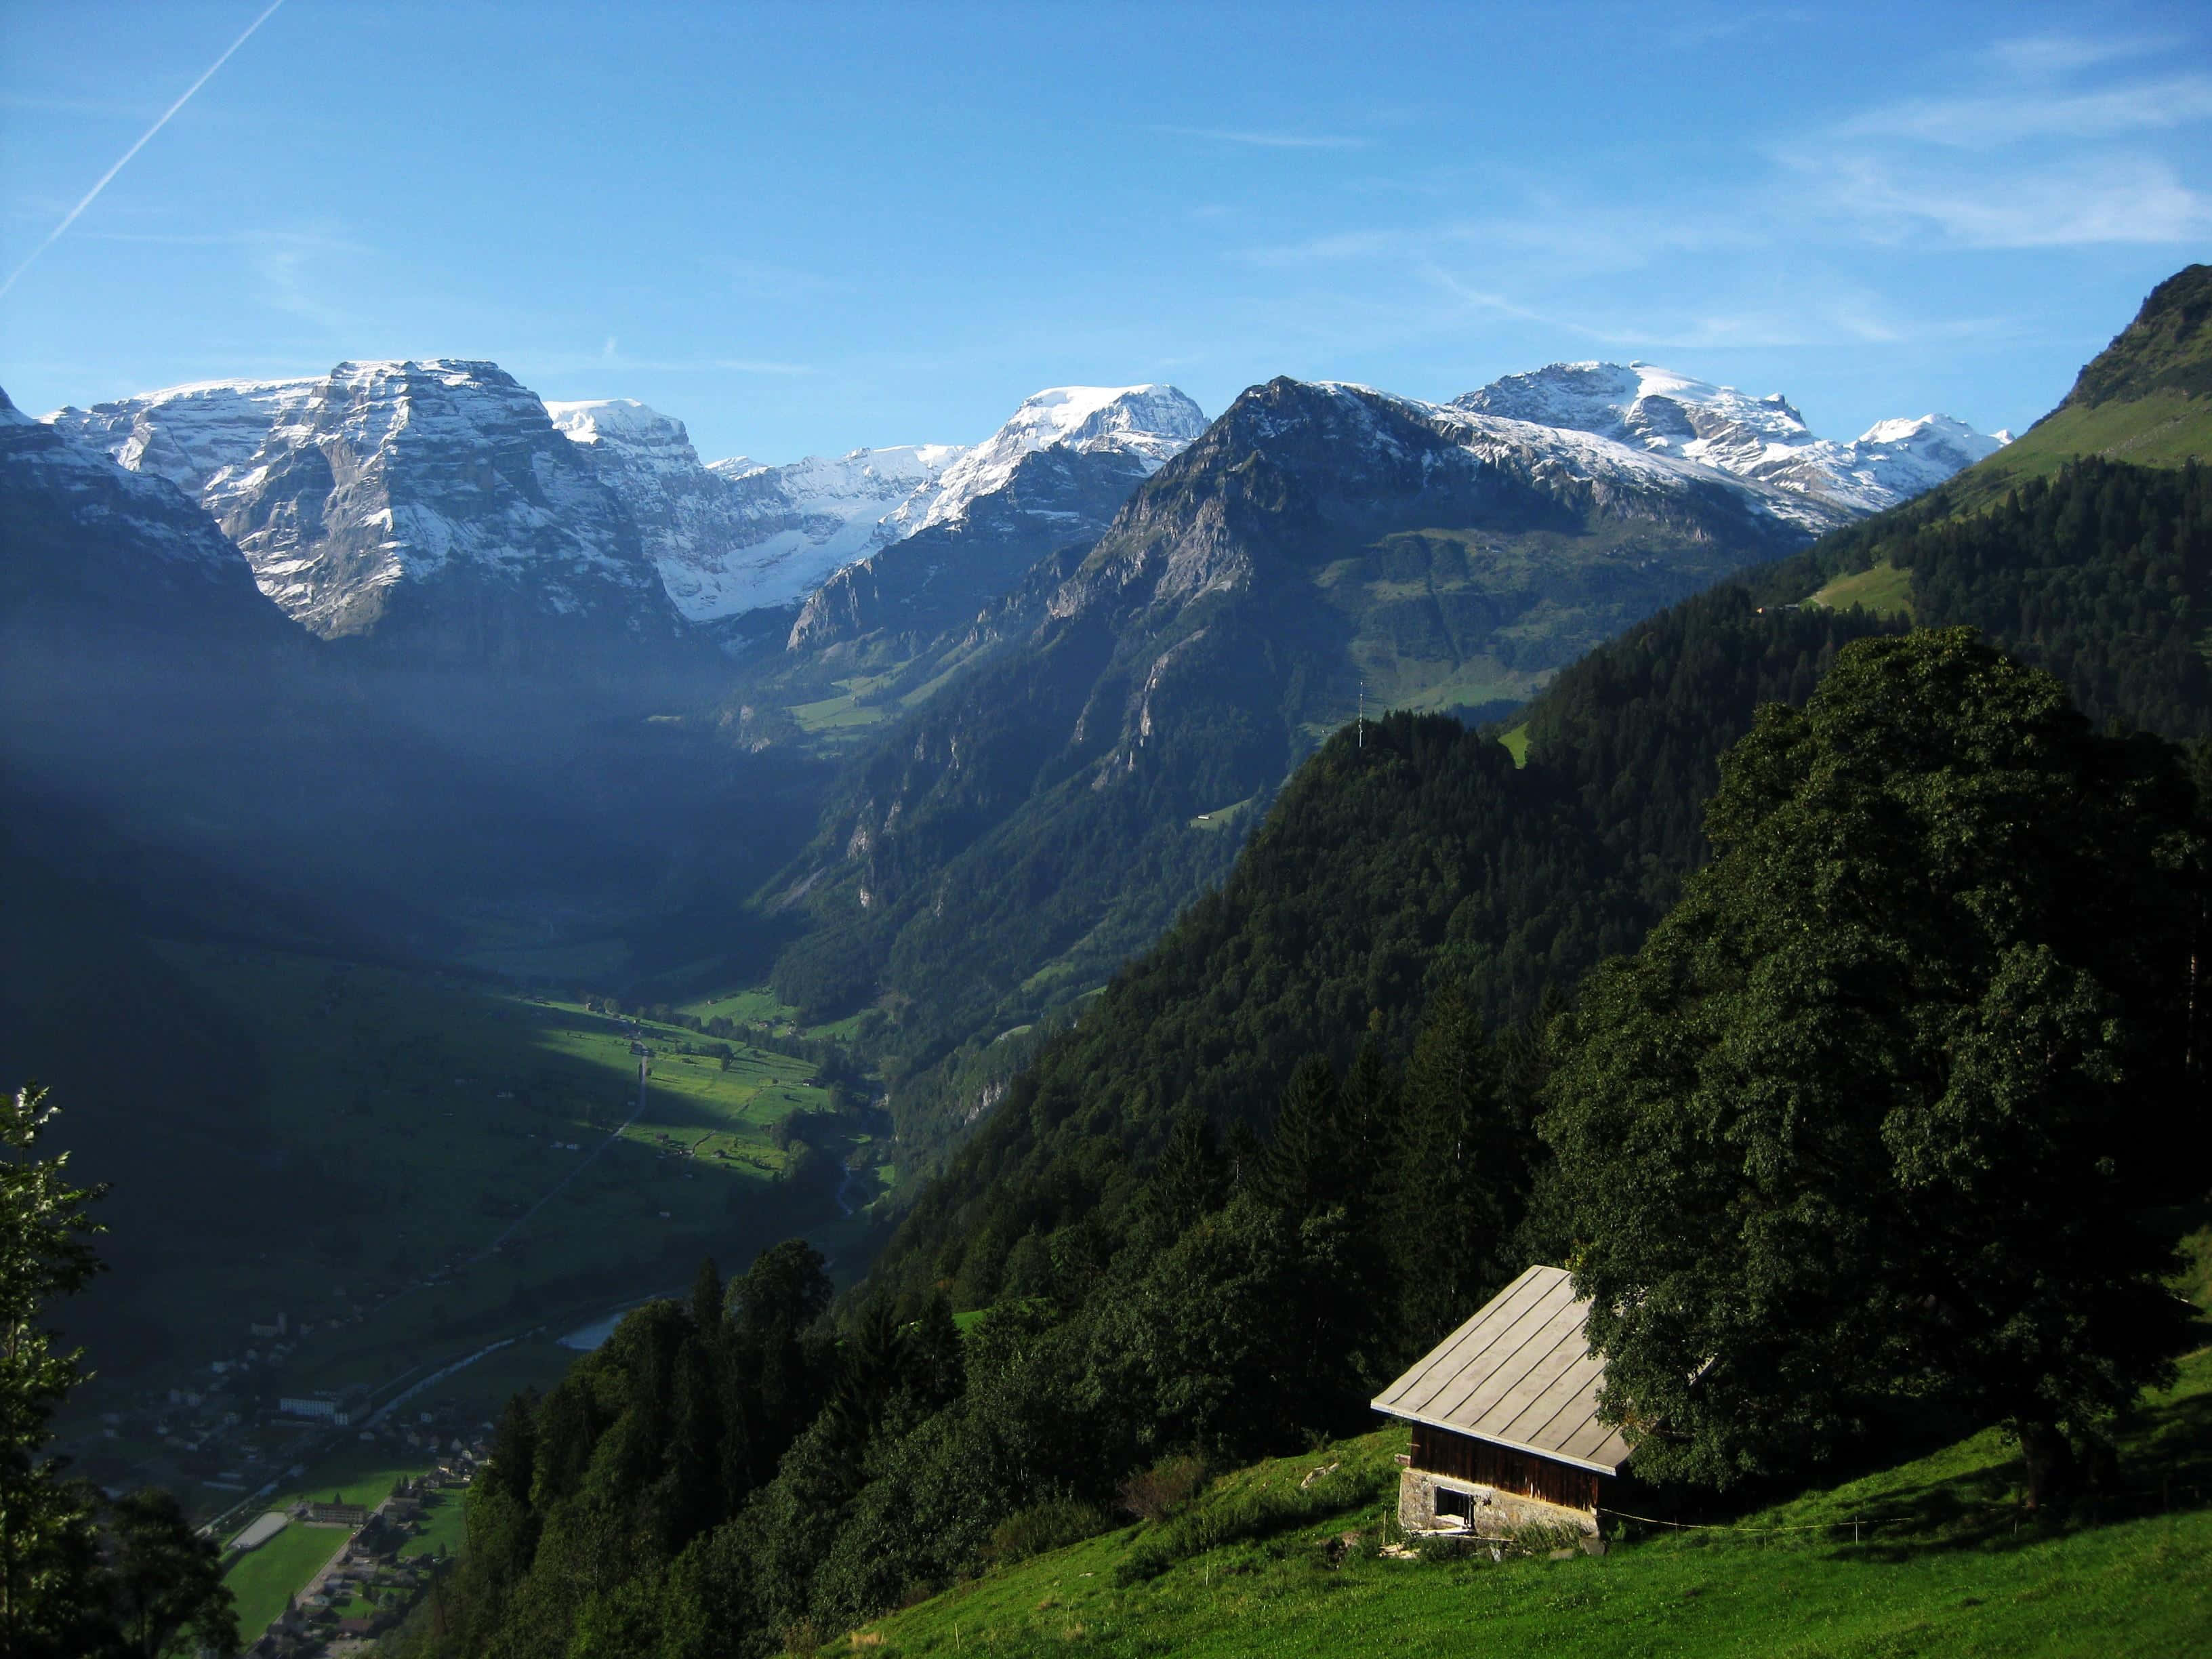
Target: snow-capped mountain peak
[[643, 436], [1149, 425], [187, 434], [1643, 406]]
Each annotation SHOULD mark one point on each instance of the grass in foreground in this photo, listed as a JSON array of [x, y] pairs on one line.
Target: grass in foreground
[[1956, 1568]]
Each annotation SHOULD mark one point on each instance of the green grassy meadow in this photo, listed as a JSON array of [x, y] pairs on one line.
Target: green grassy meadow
[[262, 1580], [1946, 1564], [1882, 589]]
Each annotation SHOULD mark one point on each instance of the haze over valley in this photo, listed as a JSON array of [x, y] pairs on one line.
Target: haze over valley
[[689, 1055]]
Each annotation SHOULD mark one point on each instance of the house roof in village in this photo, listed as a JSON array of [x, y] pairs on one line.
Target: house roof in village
[[1520, 1374]]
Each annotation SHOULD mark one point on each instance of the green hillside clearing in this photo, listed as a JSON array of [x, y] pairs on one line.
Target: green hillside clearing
[[1945, 1563], [1883, 590], [2168, 428]]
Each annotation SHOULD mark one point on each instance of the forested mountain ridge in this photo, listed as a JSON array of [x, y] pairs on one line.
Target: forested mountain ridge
[[1010, 842], [1323, 934], [2086, 545], [1404, 858]]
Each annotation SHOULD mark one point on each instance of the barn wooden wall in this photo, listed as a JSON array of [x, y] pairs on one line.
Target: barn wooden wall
[[1462, 1457]]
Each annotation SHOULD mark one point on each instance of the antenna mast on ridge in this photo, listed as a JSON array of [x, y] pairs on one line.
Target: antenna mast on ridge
[[1360, 741]]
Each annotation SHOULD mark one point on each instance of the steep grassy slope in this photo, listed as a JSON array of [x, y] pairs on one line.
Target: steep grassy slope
[[2146, 399], [1945, 1562]]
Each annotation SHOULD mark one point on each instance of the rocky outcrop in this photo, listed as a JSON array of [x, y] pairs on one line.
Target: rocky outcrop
[[432, 508]]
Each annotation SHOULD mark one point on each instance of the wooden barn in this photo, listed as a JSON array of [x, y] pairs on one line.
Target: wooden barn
[[1504, 1415]]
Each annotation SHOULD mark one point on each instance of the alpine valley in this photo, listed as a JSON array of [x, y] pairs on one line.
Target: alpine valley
[[1133, 927]]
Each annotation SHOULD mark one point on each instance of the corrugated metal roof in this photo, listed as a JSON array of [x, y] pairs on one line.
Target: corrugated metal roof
[[1519, 1373]]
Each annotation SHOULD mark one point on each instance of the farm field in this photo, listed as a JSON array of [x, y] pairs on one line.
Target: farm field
[[1946, 1564], [441, 1164], [263, 1580], [758, 1006]]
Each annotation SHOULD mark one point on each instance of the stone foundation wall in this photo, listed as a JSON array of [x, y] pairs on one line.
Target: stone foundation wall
[[1496, 1514]]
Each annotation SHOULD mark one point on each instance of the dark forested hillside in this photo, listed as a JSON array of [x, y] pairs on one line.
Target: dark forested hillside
[[1422, 860], [1333, 1107], [1159, 1298], [1047, 811], [2101, 573], [1400, 860]]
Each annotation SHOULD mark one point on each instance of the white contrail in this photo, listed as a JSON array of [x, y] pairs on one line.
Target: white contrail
[[54, 235]]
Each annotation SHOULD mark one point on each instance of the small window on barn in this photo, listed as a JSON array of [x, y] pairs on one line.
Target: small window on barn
[[1449, 1503]]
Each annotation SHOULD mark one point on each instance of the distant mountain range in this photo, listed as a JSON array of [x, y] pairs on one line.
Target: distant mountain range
[[1065, 668], [441, 498], [443, 504]]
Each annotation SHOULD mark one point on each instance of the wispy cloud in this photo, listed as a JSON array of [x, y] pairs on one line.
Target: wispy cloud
[[2049, 57], [1267, 140], [1990, 120], [318, 240], [2057, 129], [609, 358], [2117, 199], [287, 275]]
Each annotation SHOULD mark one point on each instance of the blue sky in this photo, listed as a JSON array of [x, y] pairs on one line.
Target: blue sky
[[805, 229]]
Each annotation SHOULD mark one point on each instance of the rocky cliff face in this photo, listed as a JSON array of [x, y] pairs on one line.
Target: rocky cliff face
[[432, 508], [196, 436], [736, 536]]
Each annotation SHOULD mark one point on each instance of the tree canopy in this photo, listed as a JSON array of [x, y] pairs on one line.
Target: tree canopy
[[1872, 1112]]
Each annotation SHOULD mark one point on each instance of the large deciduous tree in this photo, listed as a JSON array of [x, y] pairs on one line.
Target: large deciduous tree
[[1874, 1112]]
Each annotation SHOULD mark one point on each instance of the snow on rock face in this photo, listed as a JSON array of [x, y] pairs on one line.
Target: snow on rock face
[[1148, 425], [687, 516], [390, 476], [187, 434], [83, 525], [1644, 407], [782, 530], [1055, 473]]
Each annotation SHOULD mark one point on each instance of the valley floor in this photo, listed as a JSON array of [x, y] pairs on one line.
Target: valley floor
[[1946, 1564]]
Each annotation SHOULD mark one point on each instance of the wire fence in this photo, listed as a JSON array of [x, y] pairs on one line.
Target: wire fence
[[2090, 1506]]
